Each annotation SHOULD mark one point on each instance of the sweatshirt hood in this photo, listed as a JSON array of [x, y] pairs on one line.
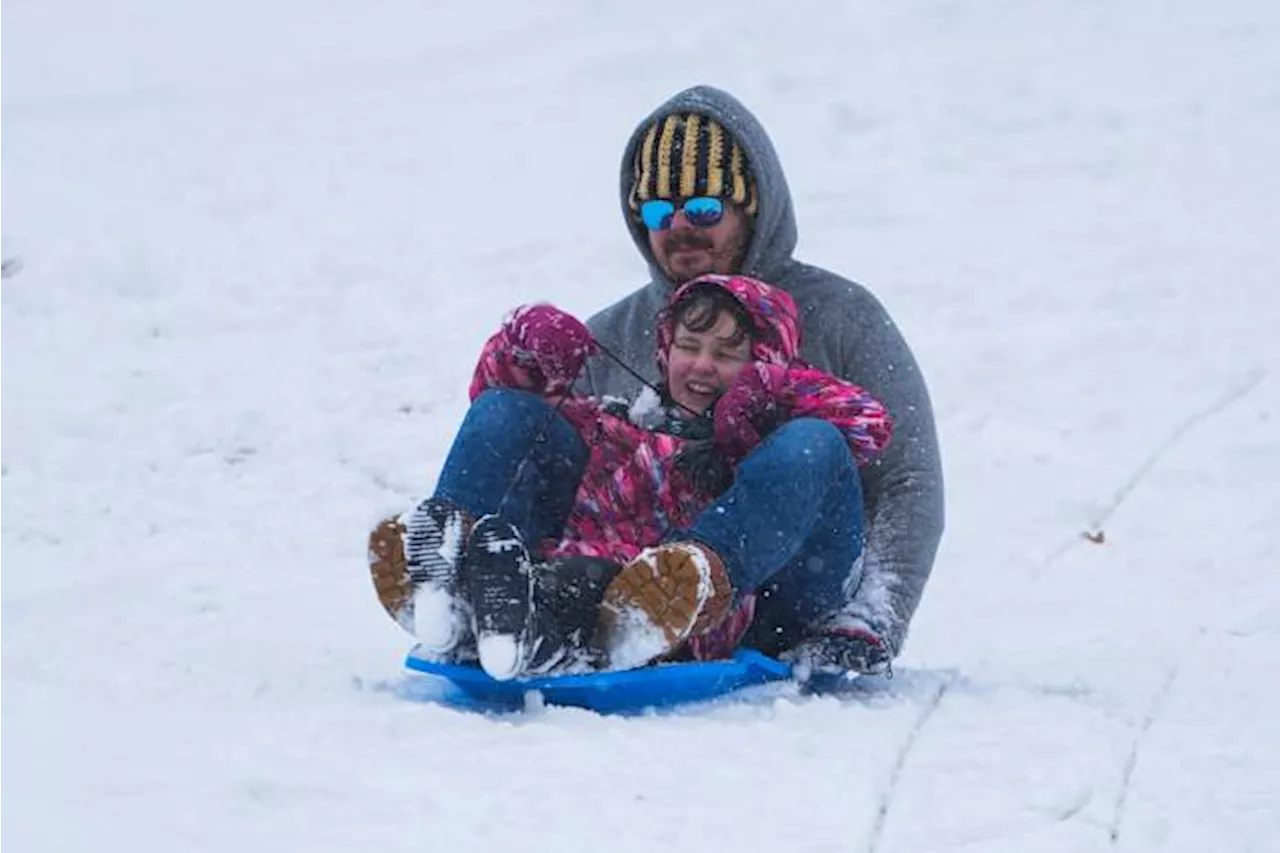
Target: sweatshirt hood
[[773, 235]]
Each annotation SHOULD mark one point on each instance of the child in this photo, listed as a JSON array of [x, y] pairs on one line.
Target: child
[[566, 566]]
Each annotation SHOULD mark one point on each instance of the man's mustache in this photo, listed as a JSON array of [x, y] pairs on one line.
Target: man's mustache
[[689, 238]]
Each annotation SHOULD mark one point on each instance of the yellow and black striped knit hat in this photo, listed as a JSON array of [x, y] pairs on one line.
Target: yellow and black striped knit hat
[[685, 155]]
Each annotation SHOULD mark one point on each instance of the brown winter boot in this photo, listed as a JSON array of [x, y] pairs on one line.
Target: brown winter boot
[[667, 594]]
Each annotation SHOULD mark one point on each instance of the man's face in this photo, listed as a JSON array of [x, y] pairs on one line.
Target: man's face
[[685, 251]]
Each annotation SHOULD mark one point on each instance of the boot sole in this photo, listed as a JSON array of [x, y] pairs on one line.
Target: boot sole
[[656, 603], [390, 571], [414, 560]]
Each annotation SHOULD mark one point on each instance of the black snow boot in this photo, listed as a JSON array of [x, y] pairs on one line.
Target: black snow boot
[[531, 618], [567, 594], [415, 560], [499, 575]]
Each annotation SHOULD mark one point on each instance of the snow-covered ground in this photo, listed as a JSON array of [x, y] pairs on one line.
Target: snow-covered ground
[[261, 244]]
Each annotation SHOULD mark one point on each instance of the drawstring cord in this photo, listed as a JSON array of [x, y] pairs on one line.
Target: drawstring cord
[[646, 383]]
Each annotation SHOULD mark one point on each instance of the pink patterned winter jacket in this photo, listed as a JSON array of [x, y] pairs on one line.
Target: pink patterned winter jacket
[[631, 492]]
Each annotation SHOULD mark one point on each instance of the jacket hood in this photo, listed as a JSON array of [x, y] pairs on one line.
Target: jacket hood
[[773, 310], [773, 236]]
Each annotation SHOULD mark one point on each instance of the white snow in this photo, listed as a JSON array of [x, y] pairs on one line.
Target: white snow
[[646, 409], [435, 619], [499, 655], [257, 247], [635, 639]]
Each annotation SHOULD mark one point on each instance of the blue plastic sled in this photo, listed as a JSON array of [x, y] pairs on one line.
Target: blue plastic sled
[[659, 686]]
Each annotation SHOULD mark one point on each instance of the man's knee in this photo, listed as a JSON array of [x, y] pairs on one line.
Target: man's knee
[[510, 418], [810, 443], [509, 399], [508, 409]]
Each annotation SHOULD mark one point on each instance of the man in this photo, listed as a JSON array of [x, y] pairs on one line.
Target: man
[[703, 144]]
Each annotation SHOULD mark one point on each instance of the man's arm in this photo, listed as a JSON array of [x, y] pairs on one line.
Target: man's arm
[[903, 488]]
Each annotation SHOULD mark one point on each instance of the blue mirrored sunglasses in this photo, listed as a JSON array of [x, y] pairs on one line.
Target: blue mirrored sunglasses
[[702, 211]]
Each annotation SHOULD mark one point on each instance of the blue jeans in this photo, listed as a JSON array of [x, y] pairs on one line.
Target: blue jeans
[[791, 528], [516, 457]]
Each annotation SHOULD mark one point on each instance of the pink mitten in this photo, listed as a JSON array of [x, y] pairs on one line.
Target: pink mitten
[[550, 344], [750, 409]]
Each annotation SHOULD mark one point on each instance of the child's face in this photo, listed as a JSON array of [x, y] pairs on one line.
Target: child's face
[[702, 365]]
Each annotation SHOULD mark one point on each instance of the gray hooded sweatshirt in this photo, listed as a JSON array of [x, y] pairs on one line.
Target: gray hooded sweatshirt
[[845, 332]]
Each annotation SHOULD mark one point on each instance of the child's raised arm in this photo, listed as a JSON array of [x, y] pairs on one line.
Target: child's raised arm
[[765, 395], [539, 348], [867, 427]]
